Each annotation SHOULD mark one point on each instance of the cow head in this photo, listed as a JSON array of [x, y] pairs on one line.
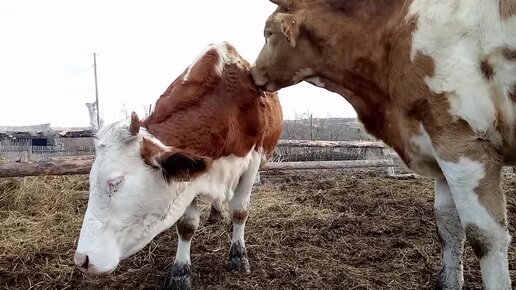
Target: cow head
[[336, 41], [289, 54], [137, 190]]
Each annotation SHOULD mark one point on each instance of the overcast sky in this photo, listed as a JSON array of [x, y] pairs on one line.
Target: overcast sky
[[46, 55]]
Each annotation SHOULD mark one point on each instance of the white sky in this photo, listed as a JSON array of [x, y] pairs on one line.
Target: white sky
[[46, 55]]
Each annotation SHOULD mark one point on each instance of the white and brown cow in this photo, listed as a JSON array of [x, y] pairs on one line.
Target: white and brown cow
[[208, 136], [433, 79]]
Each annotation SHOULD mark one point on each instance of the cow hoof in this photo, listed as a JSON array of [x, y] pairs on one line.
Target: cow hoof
[[215, 216], [440, 282], [238, 261], [179, 278]]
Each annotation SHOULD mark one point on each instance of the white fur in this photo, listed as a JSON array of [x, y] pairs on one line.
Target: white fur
[[183, 252], [458, 35], [463, 177], [119, 224], [225, 58]]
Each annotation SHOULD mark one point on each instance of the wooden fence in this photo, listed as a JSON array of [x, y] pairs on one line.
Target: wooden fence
[[83, 166]]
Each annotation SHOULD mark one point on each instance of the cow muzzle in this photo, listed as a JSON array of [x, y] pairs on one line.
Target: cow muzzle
[[85, 264]]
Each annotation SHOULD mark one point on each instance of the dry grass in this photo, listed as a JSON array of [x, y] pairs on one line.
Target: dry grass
[[326, 230]]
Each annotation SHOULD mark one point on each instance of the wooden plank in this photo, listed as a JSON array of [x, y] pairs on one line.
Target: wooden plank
[[54, 167], [70, 167], [326, 164], [331, 144]]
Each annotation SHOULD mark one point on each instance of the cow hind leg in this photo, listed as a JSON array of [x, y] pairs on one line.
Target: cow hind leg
[[475, 187], [215, 216], [239, 206], [451, 235], [181, 269]]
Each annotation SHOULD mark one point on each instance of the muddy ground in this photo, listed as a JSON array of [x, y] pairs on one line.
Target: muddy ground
[[307, 230]]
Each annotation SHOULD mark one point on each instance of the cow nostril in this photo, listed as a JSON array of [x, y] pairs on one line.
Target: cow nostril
[[81, 260]]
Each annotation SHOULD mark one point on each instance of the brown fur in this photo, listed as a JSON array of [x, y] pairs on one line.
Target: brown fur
[[239, 216], [186, 228], [509, 54], [477, 240], [216, 116], [507, 9], [487, 69]]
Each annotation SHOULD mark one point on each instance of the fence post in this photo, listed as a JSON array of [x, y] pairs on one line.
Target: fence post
[[24, 158], [390, 170]]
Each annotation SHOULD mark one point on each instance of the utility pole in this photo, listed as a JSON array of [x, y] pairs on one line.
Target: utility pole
[[96, 88]]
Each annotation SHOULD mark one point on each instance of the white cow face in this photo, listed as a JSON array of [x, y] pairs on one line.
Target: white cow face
[[135, 186]]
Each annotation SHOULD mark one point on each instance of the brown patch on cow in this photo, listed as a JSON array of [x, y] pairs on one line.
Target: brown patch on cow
[[149, 150], [239, 216], [478, 240], [425, 64], [509, 54], [186, 228], [487, 70], [217, 115], [507, 9], [489, 189]]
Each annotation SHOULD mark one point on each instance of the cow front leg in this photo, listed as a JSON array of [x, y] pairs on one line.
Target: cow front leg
[[181, 269], [451, 235]]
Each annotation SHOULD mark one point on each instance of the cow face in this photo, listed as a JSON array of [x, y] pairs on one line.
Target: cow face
[[289, 54], [135, 193]]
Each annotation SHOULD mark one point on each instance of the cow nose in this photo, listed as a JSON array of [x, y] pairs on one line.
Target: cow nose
[[81, 260]]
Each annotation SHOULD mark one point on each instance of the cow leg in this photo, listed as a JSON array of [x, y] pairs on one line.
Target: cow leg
[[451, 235], [475, 187], [185, 227], [215, 212], [238, 207]]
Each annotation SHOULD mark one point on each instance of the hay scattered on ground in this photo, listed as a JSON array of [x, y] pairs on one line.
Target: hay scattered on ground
[[326, 230]]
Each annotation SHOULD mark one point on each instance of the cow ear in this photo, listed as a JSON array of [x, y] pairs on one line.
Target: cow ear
[[183, 166], [175, 164], [290, 26]]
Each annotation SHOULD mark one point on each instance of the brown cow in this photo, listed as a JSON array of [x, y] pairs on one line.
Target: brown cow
[[208, 136], [436, 81]]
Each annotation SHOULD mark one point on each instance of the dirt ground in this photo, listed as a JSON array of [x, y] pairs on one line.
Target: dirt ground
[[306, 230]]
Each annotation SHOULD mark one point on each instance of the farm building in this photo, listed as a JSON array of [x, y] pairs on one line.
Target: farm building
[[43, 141]]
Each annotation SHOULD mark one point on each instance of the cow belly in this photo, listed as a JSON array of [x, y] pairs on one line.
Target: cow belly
[[225, 175]]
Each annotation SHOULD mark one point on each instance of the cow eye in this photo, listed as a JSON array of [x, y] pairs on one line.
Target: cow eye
[[267, 33]]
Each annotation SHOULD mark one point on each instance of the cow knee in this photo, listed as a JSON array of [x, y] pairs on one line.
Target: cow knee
[[486, 241]]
